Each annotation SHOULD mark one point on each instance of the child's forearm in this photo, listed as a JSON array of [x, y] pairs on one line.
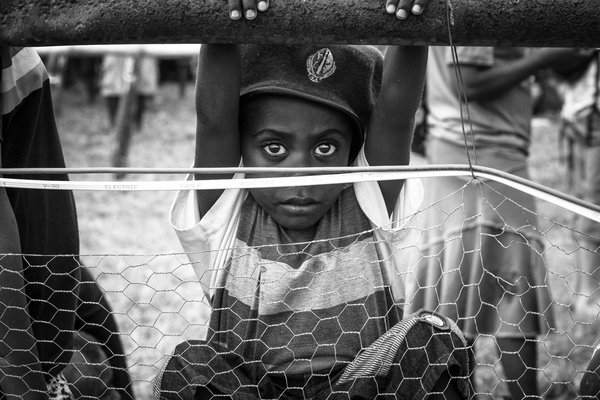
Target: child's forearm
[[389, 137], [218, 82], [392, 123], [403, 81], [217, 109], [217, 105]]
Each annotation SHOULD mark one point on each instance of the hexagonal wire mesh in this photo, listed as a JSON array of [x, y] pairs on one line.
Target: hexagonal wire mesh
[[498, 276]]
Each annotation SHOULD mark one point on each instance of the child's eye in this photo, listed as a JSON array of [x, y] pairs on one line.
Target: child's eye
[[274, 149], [326, 149]]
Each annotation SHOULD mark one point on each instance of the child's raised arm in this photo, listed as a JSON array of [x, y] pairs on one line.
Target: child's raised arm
[[217, 103], [389, 137]]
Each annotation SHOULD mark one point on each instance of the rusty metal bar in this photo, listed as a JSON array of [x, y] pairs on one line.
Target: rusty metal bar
[[535, 23]]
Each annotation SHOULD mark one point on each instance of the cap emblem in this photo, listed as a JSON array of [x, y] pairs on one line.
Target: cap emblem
[[320, 65]]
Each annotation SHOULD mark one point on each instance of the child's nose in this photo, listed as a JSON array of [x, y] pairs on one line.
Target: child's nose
[[302, 160], [298, 159]]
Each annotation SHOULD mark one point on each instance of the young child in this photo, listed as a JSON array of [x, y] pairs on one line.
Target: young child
[[305, 283]]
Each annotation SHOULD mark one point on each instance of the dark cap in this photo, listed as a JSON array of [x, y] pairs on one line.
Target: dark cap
[[347, 78]]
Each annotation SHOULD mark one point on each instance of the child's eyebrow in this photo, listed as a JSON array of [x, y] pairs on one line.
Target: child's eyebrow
[[326, 132], [269, 131]]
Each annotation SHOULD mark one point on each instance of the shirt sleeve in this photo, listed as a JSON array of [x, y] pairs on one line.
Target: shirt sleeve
[[372, 202], [22, 74], [207, 241], [396, 237]]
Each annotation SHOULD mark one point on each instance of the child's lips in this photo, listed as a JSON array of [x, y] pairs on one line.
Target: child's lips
[[299, 205]]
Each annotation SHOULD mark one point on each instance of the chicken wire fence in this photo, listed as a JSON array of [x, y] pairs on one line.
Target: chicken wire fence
[[469, 263]]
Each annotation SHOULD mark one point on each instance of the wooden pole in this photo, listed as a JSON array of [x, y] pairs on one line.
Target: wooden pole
[[123, 126], [535, 23]]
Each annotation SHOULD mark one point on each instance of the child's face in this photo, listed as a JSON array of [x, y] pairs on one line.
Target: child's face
[[282, 131]]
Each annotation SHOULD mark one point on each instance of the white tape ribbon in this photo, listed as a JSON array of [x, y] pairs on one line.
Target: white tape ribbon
[[365, 174]]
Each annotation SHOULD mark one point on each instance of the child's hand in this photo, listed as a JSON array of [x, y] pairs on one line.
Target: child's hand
[[402, 8], [250, 8], [247, 8]]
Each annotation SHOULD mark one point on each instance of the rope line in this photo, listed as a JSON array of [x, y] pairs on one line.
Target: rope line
[[462, 95]]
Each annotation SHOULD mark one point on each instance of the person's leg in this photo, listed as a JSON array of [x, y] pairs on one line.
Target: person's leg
[[586, 302], [588, 261], [140, 110], [112, 105], [519, 361]]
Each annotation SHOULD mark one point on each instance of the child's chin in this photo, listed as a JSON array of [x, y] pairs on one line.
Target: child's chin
[[297, 223], [298, 226]]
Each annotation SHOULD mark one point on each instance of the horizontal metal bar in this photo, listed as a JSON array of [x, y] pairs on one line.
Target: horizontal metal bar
[[534, 23]]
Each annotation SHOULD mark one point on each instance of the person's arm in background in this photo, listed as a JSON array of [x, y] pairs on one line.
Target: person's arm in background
[[21, 376], [486, 83]]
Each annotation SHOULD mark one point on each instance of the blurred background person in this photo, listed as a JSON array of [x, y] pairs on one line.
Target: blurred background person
[[39, 239], [580, 130], [479, 262], [116, 76]]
